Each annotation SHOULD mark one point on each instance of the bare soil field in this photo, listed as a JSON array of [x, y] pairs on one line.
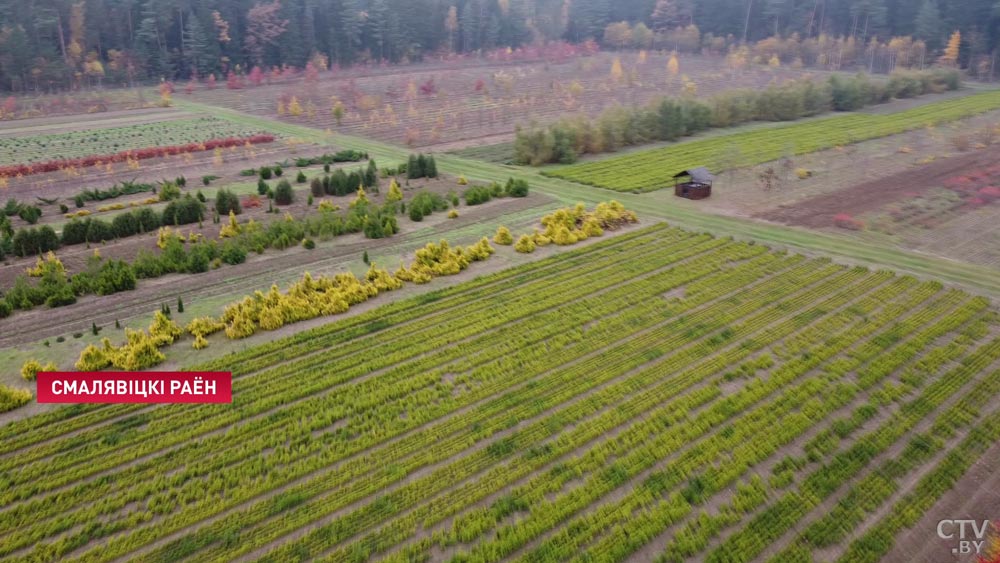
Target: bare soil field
[[429, 105], [863, 198]]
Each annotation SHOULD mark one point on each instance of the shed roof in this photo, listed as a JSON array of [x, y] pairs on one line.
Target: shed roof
[[700, 175]]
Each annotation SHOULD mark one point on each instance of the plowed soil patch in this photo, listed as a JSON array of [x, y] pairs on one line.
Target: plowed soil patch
[[819, 211]]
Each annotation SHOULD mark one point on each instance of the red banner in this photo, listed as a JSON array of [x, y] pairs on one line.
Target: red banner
[[135, 387]]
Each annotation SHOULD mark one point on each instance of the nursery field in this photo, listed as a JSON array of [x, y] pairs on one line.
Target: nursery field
[[32, 148], [659, 395], [651, 170], [426, 105], [76, 103]]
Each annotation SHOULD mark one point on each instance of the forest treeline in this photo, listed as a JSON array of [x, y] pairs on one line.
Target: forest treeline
[[48, 45]]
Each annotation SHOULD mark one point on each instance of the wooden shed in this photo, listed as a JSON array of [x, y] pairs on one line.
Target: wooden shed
[[696, 184]]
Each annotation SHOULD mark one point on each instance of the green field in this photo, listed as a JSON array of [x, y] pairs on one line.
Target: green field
[[536, 414], [500, 153], [650, 170]]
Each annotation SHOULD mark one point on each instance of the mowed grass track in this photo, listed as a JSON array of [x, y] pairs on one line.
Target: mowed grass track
[[598, 405], [650, 170]]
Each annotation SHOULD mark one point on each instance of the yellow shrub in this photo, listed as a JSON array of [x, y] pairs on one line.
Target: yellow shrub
[[540, 239], [382, 279], [395, 193], [30, 369], [326, 205], [163, 329], [480, 251], [164, 235], [563, 236], [203, 326], [93, 358], [503, 236], [139, 352], [360, 199], [452, 214], [803, 173], [232, 228], [525, 244], [49, 264]]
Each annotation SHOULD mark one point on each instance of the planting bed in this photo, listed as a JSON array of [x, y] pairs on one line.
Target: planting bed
[[13, 108], [659, 394], [36, 149], [429, 105]]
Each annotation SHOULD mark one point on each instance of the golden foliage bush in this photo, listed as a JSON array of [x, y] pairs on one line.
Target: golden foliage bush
[[11, 398], [395, 193], [164, 235], [572, 224], [49, 264], [232, 228], [30, 369], [525, 244], [503, 236]]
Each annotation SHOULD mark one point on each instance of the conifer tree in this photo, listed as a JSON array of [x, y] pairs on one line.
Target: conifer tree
[[950, 56]]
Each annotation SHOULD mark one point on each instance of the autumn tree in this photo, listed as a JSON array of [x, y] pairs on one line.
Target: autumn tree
[[618, 34], [338, 111], [256, 76], [616, 70], [642, 36], [264, 27], [950, 56]]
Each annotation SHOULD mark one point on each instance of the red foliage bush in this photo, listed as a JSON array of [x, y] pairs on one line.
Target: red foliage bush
[[958, 182], [139, 154], [428, 88], [234, 82], [989, 193], [845, 221], [250, 202], [256, 76]]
